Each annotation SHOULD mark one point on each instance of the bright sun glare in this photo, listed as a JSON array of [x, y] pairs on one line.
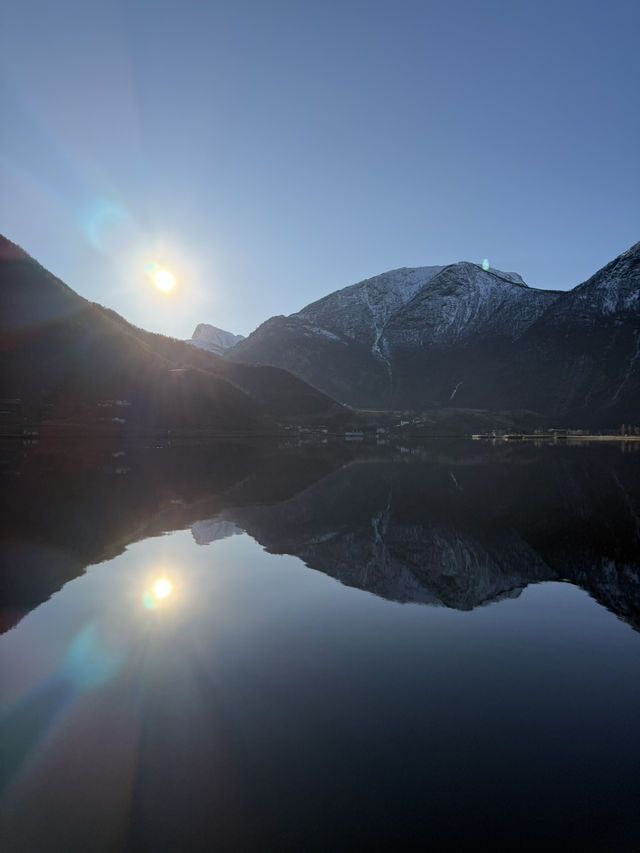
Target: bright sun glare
[[162, 588], [164, 280]]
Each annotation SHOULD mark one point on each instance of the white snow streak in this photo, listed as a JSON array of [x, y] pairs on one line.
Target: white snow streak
[[632, 362]]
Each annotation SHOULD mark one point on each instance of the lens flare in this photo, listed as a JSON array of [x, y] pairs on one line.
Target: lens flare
[[163, 280], [485, 265], [107, 226]]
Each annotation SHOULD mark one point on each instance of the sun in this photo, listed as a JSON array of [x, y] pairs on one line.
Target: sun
[[163, 280], [162, 588]]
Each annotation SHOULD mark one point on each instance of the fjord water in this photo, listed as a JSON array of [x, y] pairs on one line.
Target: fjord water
[[356, 648]]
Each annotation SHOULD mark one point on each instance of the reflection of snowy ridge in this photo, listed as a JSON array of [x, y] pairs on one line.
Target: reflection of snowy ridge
[[437, 566], [428, 561], [212, 529]]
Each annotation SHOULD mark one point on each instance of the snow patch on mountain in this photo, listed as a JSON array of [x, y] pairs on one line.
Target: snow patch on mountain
[[635, 358], [310, 329]]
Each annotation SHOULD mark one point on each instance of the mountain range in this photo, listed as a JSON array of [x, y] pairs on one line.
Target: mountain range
[[464, 336], [455, 339]]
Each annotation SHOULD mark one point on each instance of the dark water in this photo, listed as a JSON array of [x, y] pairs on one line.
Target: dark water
[[358, 649]]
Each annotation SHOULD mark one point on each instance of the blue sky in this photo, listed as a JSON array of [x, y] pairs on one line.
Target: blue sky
[[269, 153]]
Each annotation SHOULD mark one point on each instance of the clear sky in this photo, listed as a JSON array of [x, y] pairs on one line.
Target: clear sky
[[268, 153]]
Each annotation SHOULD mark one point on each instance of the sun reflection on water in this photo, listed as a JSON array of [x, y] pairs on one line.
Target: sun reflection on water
[[158, 593], [162, 588]]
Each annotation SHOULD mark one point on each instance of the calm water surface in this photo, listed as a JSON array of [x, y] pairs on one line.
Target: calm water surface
[[354, 649]]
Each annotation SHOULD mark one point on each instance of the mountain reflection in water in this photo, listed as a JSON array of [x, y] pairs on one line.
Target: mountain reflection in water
[[175, 687], [457, 525]]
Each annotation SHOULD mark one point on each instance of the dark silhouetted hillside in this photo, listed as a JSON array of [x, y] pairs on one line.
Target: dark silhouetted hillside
[[65, 360]]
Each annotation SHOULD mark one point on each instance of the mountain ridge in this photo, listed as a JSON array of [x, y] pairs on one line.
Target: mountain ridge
[[68, 361], [423, 337]]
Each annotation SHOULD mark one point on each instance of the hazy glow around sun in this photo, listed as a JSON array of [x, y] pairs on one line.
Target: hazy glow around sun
[[163, 280], [164, 283]]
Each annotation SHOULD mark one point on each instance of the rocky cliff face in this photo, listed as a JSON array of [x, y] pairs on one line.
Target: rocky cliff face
[[213, 339], [464, 336]]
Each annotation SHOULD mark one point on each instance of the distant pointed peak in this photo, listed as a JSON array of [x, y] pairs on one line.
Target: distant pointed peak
[[207, 330], [214, 339]]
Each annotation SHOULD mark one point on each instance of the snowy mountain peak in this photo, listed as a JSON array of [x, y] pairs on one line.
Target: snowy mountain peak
[[368, 304], [464, 300], [363, 310], [443, 302], [370, 324], [213, 339], [613, 290]]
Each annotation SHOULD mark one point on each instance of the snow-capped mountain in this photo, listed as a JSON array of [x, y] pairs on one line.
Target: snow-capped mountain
[[461, 335], [614, 291], [422, 305], [349, 342], [361, 312], [586, 350], [213, 339], [465, 301]]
